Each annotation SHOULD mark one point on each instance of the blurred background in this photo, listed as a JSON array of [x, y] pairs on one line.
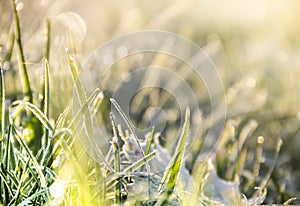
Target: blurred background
[[253, 44]]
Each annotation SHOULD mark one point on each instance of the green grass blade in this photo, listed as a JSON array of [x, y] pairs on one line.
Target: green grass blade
[[10, 153], [62, 118], [258, 157], [126, 120], [118, 197], [82, 100], [6, 183], [78, 85], [13, 179], [46, 90], [48, 42], [62, 131], [49, 151], [130, 169], [174, 172], [96, 104], [38, 113], [2, 104], [117, 161], [171, 175], [150, 141], [23, 70], [78, 117], [265, 180], [46, 101], [140, 163], [113, 124]]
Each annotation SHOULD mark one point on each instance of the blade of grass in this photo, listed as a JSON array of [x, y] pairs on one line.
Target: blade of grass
[[46, 90], [2, 120], [172, 173], [130, 169], [241, 162], [3, 167], [102, 180], [78, 117], [38, 113], [117, 160], [96, 104], [289, 201], [48, 42], [118, 197], [10, 156], [45, 104], [78, 85], [258, 157], [2, 106], [49, 151], [62, 118], [13, 179], [62, 131], [264, 182], [82, 100], [84, 108], [113, 126], [23, 70], [46, 93], [150, 141], [140, 163]]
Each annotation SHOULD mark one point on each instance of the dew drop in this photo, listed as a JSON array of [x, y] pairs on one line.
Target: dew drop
[[20, 6], [260, 139]]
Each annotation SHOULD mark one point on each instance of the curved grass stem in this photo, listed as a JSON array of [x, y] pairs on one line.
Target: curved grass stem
[[23, 70]]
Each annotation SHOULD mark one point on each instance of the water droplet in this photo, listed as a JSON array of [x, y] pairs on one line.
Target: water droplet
[[260, 139], [20, 6]]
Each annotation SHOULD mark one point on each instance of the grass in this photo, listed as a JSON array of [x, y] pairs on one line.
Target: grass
[[43, 160]]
